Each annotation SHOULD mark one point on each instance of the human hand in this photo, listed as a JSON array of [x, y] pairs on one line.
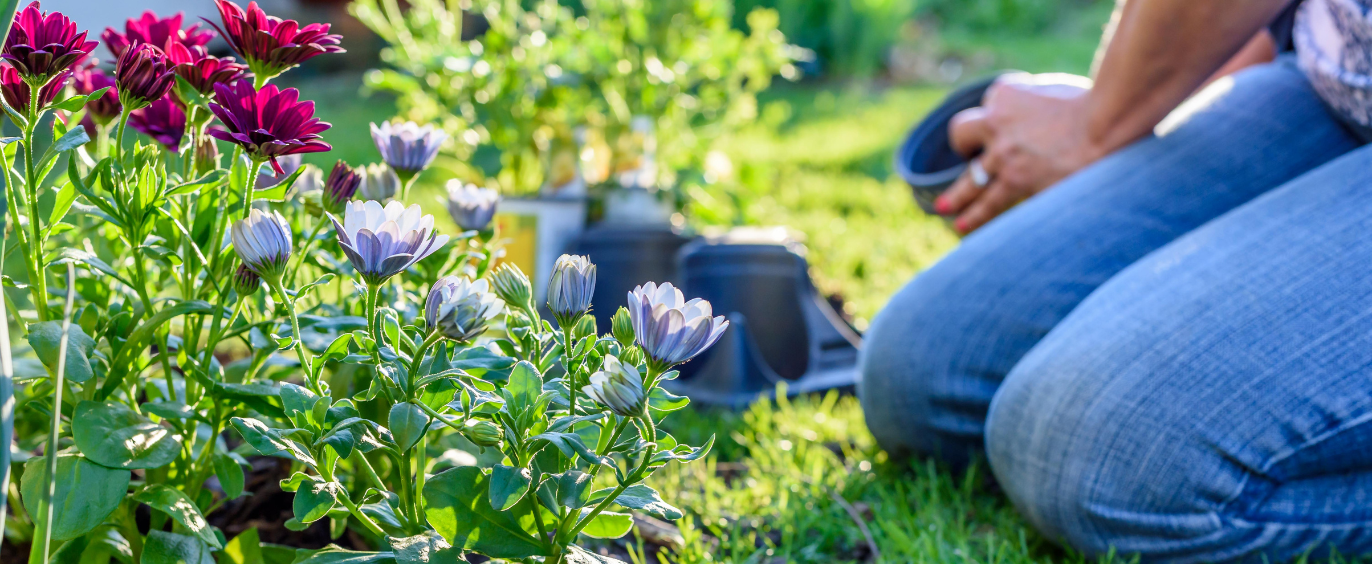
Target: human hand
[[1029, 132]]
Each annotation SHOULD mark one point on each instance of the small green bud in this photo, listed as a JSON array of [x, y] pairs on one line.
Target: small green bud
[[245, 281], [622, 327], [510, 283], [632, 356], [584, 328], [482, 433]]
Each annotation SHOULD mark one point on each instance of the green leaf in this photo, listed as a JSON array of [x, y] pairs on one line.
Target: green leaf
[[306, 289], [65, 197], [525, 385], [573, 489], [425, 548], [45, 338], [169, 410], [271, 442], [70, 140], [230, 475], [508, 486], [277, 192], [647, 500], [332, 554], [685, 453], [111, 434], [607, 525], [171, 501], [571, 445], [337, 350], [458, 507], [90, 260], [170, 548], [298, 403], [407, 423], [665, 401], [314, 499], [246, 548], [86, 493]]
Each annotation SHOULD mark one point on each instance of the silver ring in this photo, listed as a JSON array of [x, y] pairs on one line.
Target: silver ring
[[978, 174]]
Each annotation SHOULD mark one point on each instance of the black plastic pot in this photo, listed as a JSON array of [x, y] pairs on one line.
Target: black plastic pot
[[627, 256], [781, 330], [925, 160]]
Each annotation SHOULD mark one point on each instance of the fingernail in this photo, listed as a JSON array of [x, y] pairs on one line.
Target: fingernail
[[960, 225], [941, 204]]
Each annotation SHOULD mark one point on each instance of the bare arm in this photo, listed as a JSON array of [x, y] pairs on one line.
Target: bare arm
[[1030, 135]]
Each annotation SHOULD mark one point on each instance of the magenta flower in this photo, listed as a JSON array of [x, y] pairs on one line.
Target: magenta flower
[[42, 45], [155, 31], [164, 121], [142, 75], [89, 78], [271, 45], [340, 187], [196, 66], [16, 91], [268, 123]]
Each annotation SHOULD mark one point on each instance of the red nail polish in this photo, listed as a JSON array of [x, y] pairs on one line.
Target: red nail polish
[[941, 205], [960, 225]]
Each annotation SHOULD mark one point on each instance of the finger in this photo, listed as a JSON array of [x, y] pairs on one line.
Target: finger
[[997, 198], [969, 131], [958, 196]]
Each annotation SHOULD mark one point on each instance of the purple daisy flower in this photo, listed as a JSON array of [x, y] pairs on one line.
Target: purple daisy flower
[[406, 147], [155, 31], [670, 329], [268, 123], [164, 121], [202, 71], [88, 78], [143, 75], [381, 242], [271, 45], [43, 45]]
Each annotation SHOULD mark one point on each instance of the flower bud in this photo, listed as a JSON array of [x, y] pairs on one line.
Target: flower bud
[[143, 74], [263, 242], [340, 187], [379, 183], [619, 387], [472, 208], [633, 356], [245, 281], [460, 309], [482, 433], [512, 285], [622, 327], [570, 289]]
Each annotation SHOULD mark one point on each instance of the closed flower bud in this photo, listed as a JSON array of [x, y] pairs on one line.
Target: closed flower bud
[[340, 187], [460, 309], [622, 327], [482, 433], [379, 183], [245, 281], [570, 289], [472, 208], [263, 242], [619, 387], [633, 356], [512, 285]]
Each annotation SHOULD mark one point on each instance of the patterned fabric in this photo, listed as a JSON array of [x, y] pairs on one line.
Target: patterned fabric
[[1334, 47]]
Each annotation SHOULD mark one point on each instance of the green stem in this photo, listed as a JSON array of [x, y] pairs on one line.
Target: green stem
[[50, 451], [119, 136], [311, 378], [304, 251], [418, 360], [373, 293], [38, 276], [361, 517], [220, 217], [571, 375], [368, 470]]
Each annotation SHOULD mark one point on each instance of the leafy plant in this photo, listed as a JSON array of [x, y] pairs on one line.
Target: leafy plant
[[206, 316], [534, 78]]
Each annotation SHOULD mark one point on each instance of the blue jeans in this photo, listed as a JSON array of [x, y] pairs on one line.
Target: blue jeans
[[1169, 352]]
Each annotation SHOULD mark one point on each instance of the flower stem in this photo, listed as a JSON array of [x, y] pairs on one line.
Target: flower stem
[[305, 363], [38, 277], [304, 251]]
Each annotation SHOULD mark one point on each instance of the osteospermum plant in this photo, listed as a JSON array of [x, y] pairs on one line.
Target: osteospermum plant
[[193, 297]]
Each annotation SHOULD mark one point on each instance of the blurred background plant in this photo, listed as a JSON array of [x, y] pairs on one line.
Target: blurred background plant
[[541, 96]]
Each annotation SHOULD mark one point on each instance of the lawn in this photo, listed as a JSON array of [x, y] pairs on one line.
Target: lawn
[[802, 480]]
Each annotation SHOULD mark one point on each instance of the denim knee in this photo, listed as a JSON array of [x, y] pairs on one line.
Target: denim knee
[[927, 375]]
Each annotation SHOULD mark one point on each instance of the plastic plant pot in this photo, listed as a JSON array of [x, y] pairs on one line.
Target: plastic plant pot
[[781, 329], [925, 160]]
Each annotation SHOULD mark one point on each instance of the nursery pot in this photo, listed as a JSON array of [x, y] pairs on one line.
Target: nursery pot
[[627, 256], [925, 160]]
